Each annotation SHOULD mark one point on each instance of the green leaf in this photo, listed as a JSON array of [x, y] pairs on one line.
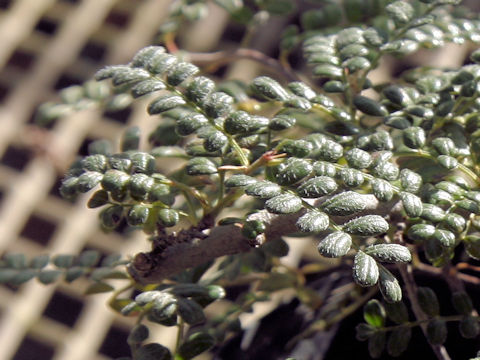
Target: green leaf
[[420, 232], [269, 89], [369, 106], [126, 75], [345, 203], [240, 122], [138, 334], [263, 189], [444, 237], [284, 204], [330, 151], [412, 204], [313, 221], [15, 260], [376, 344], [448, 162], [337, 244], [281, 122], [145, 55], [432, 213], [63, 261], [74, 273], [215, 141], [390, 253], [428, 301], [398, 341], [351, 177], [48, 276], [397, 312], [190, 311], [88, 180], [469, 327], [297, 148], [400, 12], [323, 168], [410, 181], [98, 198], [168, 217], [437, 331], [218, 104], [138, 215], [374, 313], [462, 302], [153, 351], [201, 166], [365, 269], [389, 286], [196, 344], [40, 261], [88, 258], [98, 288], [369, 225], [252, 228]]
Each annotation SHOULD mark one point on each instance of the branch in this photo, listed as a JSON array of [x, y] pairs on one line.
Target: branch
[[195, 246], [224, 57]]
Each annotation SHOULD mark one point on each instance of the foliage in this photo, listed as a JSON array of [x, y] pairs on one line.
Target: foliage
[[375, 176]]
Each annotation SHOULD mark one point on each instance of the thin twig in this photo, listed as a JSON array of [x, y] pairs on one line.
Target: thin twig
[[226, 56], [411, 287]]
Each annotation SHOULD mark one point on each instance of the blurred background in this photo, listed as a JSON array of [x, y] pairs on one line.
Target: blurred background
[[46, 45]]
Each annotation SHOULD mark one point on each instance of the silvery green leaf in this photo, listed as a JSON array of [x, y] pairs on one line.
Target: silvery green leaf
[[88, 181], [397, 122], [239, 180], [146, 87], [138, 334], [218, 104], [269, 89], [96, 163], [115, 181], [143, 57], [390, 253], [284, 204], [445, 237], [414, 137], [358, 158], [180, 72], [281, 122], [140, 185], [128, 75], [327, 71], [448, 162], [142, 163], [199, 88], [412, 204], [386, 170], [138, 215], [323, 168], [396, 95], [444, 146], [381, 189], [252, 228], [355, 64], [365, 269], [242, 122], [330, 151], [189, 123], [313, 221], [410, 181], [345, 203], [317, 187], [389, 286], [468, 205], [298, 102], [165, 103], [455, 222], [190, 311], [263, 189], [301, 89], [335, 245], [400, 12], [348, 36], [351, 177], [369, 225], [293, 170], [215, 141]]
